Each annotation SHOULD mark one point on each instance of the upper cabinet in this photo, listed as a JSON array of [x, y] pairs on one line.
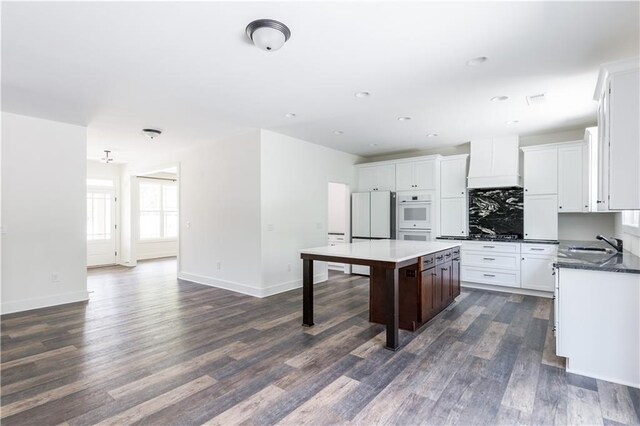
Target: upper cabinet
[[572, 179], [377, 178], [413, 175], [453, 176], [619, 135], [540, 170]]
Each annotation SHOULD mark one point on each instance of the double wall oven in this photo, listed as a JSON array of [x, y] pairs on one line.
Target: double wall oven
[[415, 216]]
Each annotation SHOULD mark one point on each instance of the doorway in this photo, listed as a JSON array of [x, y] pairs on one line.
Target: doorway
[[339, 220], [101, 222]]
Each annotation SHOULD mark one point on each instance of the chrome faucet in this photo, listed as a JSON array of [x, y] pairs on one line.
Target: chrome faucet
[[617, 245]]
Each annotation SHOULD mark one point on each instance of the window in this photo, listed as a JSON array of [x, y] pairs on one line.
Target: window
[[98, 216], [107, 183], [158, 210], [631, 221]]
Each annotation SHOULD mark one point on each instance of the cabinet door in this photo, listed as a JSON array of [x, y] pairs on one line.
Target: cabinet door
[[624, 141], [570, 179], [367, 179], [386, 177], [404, 176], [455, 277], [541, 171], [427, 294], [381, 214], [602, 199], [453, 177], [453, 217], [537, 273], [541, 217], [445, 286], [425, 174], [361, 214]]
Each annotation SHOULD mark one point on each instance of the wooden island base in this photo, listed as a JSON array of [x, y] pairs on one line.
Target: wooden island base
[[424, 290]]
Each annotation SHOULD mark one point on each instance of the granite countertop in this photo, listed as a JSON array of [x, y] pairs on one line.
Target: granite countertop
[[520, 240], [609, 261]]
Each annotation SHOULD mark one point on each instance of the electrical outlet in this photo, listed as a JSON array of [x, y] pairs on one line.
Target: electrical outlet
[[55, 277], [218, 265]]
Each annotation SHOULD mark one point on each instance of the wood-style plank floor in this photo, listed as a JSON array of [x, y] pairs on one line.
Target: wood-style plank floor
[[148, 349]]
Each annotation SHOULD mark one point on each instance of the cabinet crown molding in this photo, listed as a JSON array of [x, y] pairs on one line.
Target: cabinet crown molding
[[609, 68]]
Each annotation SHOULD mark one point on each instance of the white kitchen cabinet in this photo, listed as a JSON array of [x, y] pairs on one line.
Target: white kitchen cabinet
[[361, 212], [572, 184], [453, 176], [377, 178], [537, 272], [453, 216], [541, 217], [590, 172], [619, 135], [495, 163], [540, 170], [412, 175]]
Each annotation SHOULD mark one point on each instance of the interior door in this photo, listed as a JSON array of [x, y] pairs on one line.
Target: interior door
[[101, 227], [381, 214], [361, 214]]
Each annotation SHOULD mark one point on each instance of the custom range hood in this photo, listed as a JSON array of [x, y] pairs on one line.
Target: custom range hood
[[495, 163]]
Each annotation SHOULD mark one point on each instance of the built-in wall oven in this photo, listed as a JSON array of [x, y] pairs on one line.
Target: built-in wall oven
[[415, 211]]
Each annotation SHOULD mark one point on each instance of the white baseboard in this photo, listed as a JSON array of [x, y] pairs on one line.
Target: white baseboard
[[157, 255], [516, 290], [247, 289], [44, 302]]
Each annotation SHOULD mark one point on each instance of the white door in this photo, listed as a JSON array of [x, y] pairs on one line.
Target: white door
[[361, 214], [380, 214], [425, 174], [386, 177], [367, 179], [541, 172], [453, 177], [570, 179], [453, 217], [541, 217], [537, 273], [404, 176], [101, 227]]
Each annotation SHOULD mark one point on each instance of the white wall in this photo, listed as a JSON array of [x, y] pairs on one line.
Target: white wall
[[631, 242], [43, 213], [294, 181], [338, 197], [585, 226]]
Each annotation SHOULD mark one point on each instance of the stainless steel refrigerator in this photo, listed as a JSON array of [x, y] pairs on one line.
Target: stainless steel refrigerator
[[373, 217]]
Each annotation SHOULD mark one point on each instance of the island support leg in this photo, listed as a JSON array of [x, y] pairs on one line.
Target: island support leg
[[391, 278], [307, 292]]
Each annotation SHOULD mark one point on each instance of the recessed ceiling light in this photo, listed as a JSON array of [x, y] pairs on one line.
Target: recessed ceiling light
[[512, 122], [432, 135], [290, 115], [404, 118], [373, 144], [362, 94], [338, 132], [499, 98], [477, 61]]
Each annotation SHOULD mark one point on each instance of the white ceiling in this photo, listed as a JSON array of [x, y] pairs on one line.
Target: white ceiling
[[188, 69]]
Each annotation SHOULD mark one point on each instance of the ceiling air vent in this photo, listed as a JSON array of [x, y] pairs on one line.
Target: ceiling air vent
[[538, 99]]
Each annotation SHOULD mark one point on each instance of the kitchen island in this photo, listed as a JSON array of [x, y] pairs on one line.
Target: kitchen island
[[386, 258]]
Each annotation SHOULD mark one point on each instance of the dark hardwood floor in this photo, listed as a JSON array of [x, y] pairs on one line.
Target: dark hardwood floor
[[148, 349]]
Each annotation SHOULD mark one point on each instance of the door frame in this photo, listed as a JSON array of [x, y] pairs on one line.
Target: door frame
[[116, 215]]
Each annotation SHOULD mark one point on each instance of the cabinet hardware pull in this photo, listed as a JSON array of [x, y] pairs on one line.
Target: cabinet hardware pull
[[536, 249], [488, 258], [444, 269], [434, 274], [488, 275], [560, 207], [488, 246], [448, 254]]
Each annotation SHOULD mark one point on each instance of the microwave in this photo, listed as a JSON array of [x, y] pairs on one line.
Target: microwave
[[415, 212]]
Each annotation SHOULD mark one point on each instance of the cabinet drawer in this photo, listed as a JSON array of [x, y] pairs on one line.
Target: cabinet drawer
[[491, 260], [443, 256], [491, 246], [491, 276], [544, 249], [427, 262]]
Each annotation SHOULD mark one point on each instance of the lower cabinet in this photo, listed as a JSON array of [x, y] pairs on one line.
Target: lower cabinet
[[425, 289], [537, 272]]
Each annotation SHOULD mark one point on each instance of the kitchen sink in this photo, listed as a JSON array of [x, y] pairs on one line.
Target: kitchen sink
[[591, 249]]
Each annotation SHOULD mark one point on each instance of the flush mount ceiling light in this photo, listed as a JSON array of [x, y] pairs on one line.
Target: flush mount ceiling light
[[151, 133], [290, 115], [107, 158], [432, 135], [499, 98], [512, 122], [338, 132], [477, 61], [268, 34], [404, 118], [362, 94]]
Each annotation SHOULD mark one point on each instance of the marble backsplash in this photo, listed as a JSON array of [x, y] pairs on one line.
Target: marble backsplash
[[496, 211]]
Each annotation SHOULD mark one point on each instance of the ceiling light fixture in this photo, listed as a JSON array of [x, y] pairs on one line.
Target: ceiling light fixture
[[362, 94], [106, 159], [338, 132], [512, 122], [373, 144], [290, 115], [151, 133], [477, 61], [268, 34], [404, 118], [499, 98], [432, 135]]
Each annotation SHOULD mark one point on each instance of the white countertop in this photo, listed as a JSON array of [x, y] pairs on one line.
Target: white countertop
[[382, 250]]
